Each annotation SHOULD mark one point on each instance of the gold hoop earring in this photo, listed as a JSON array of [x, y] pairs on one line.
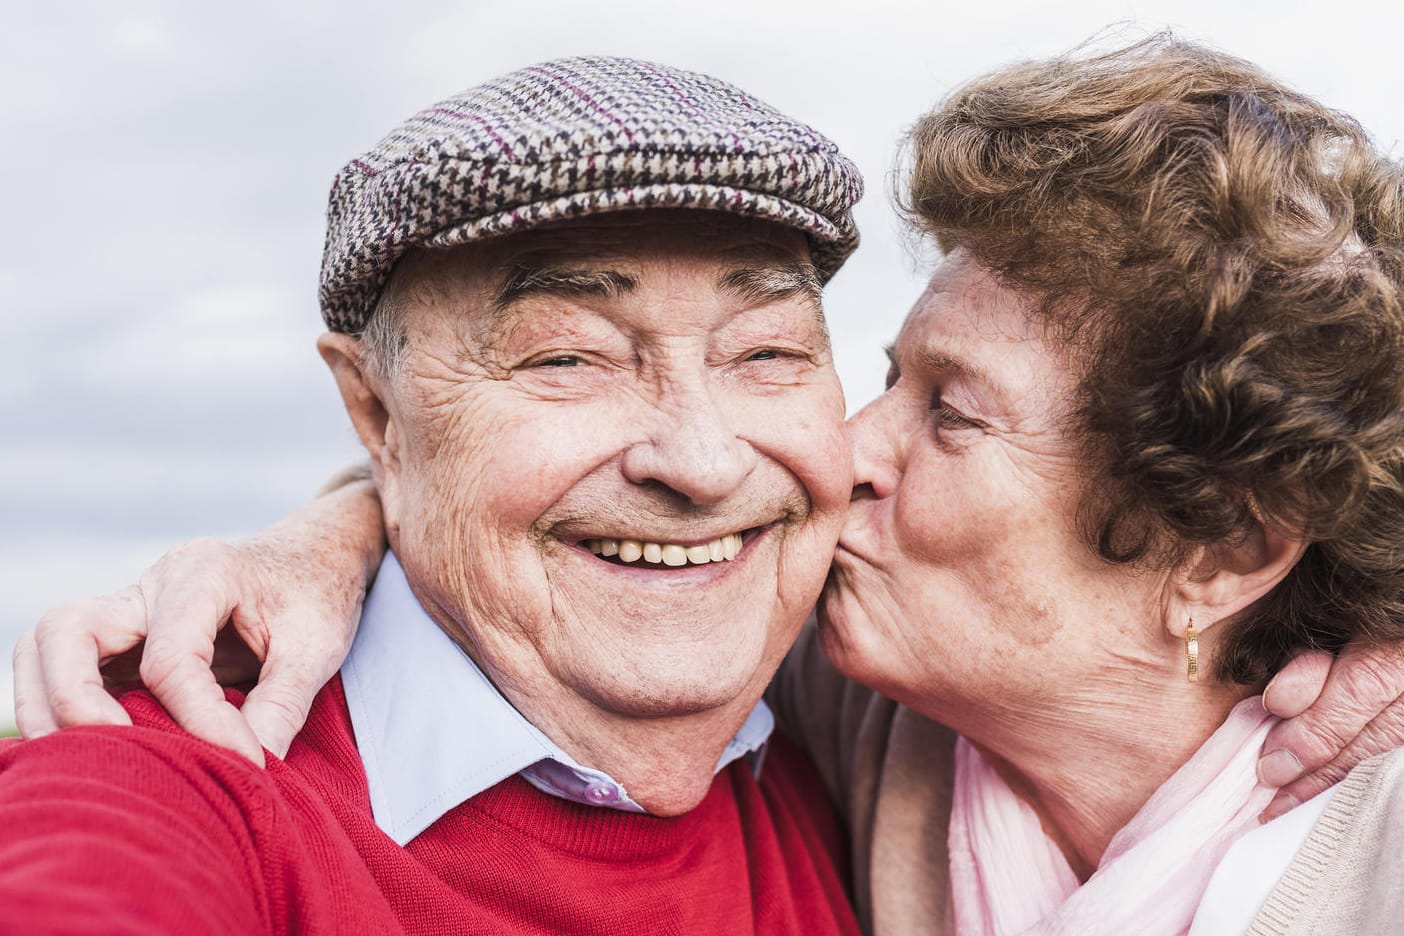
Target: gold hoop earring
[[1191, 652]]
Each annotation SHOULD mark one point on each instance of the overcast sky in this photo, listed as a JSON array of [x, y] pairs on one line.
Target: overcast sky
[[165, 167]]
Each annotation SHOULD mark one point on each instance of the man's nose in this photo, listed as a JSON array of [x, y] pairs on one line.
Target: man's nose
[[875, 433], [693, 449]]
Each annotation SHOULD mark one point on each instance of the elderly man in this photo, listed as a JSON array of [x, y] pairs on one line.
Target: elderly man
[[607, 455], [565, 308]]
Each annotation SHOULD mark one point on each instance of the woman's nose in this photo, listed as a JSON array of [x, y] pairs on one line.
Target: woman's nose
[[877, 448]]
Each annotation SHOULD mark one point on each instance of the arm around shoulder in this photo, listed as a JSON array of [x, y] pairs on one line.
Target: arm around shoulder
[[291, 593]]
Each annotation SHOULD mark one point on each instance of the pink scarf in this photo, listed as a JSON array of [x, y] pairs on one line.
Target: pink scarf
[[1008, 877]]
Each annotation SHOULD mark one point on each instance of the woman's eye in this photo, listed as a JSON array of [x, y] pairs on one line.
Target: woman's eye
[[947, 418]]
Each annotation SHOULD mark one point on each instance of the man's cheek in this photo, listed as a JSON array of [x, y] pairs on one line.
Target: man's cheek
[[822, 459], [439, 516]]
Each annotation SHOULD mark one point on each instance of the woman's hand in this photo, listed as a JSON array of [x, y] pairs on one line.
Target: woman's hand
[[291, 594], [1339, 711]]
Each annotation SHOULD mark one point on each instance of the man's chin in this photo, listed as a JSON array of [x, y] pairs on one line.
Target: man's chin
[[721, 695]]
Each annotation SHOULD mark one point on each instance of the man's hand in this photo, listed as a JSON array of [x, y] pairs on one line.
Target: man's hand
[[1338, 711], [291, 595]]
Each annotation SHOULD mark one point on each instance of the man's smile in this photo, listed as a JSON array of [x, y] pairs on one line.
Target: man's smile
[[720, 549]]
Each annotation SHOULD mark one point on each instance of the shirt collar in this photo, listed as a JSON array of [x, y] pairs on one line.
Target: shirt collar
[[433, 731]]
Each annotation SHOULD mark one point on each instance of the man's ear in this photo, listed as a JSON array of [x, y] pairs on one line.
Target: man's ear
[[363, 395], [1218, 581]]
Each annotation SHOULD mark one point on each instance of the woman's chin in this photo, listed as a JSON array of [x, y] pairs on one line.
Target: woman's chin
[[841, 637]]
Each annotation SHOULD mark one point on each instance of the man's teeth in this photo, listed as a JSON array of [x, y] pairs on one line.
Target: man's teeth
[[669, 554]]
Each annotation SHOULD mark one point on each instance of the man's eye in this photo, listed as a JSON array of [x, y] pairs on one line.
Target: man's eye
[[560, 360], [764, 354]]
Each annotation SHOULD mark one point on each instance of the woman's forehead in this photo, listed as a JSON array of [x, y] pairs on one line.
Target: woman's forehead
[[967, 325], [966, 302]]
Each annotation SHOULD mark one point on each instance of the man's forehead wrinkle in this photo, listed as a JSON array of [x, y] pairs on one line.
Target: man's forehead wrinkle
[[765, 252], [424, 277]]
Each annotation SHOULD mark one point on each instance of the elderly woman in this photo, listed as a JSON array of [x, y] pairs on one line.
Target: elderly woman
[[1142, 441]]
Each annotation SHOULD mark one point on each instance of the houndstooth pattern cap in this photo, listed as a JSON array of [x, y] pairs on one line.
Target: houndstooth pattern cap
[[572, 138]]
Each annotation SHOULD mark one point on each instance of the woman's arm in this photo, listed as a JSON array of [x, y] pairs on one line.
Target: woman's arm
[[291, 594]]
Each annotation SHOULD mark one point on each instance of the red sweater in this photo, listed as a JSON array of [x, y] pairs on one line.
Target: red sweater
[[147, 830]]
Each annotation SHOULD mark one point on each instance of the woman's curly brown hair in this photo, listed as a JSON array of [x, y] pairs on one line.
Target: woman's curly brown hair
[[1225, 255]]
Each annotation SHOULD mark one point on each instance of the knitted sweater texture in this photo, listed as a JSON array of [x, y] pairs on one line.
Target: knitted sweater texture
[[892, 772], [147, 830]]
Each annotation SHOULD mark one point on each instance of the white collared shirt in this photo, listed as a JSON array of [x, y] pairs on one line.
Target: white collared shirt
[[433, 731]]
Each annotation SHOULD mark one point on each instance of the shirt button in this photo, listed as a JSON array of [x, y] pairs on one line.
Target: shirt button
[[601, 793]]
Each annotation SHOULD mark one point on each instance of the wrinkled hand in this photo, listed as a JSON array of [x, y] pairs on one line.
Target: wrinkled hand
[[1338, 711], [291, 598]]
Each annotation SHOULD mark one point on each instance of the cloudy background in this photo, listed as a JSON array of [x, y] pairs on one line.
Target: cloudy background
[[164, 167]]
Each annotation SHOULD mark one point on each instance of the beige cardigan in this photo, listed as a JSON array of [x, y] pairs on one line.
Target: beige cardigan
[[891, 771]]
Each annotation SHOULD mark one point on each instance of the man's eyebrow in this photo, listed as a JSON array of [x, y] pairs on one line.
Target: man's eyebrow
[[773, 282], [524, 279]]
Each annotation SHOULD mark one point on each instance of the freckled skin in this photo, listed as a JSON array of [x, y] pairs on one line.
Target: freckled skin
[[672, 411], [961, 586]]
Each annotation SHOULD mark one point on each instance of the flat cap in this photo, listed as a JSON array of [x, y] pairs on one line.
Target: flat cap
[[568, 139]]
